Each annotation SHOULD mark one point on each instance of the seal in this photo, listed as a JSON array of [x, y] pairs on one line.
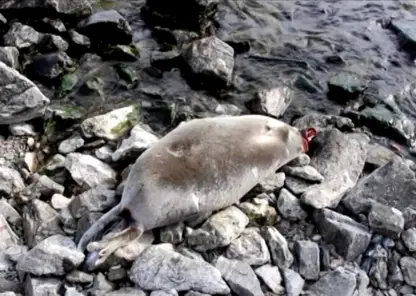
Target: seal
[[202, 165]]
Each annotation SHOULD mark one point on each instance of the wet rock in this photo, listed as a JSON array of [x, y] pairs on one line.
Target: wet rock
[[126, 292], [112, 125], [272, 102], [349, 237], [346, 86], [210, 60], [307, 259], [9, 213], [273, 183], [271, 277], [321, 122], [405, 32], [78, 40], [51, 43], [56, 255], [72, 9], [140, 139], [10, 56], [259, 212], [51, 66], [158, 267], [39, 222], [337, 282], [408, 266], [96, 199], [219, 230], [289, 206], [386, 220], [21, 100], [22, 36], [119, 52], [250, 248], [52, 25], [297, 186], [22, 129], [107, 26], [128, 74], [71, 144], [172, 234], [279, 249], [165, 60], [340, 158], [239, 276], [11, 181], [392, 185], [40, 286], [306, 172], [89, 172], [409, 239], [293, 282]]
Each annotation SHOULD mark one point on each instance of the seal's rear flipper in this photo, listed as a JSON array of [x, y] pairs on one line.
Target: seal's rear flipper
[[101, 250]]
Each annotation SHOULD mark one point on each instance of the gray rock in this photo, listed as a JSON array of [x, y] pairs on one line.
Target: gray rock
[[270, 275], [22, 36], [101, 285], [409, 215], [39, 222], [159, 267], [408, 266], [259, 211], [340, 158], [273, 182], [112, 125], [79, 277], [378, 155], [126, 292], [22, 100], [378, 274], [139, 140], [306, 172], [72, 291], [9, 212], [55, 255], [117, 28], [392, 185], [272, 102], [307, 259], [339, 282], [321, 121], [69, 8], [44, 187], [228, 109], [289, 206], [10, 56], [104, 153], [164, 293], [7, 237], [349, 237], [301, 160], [281, 255], [71, 144], [239, 276], [55, 163], [52, 42], [40, 286], [97, 199], [84, 223], [210, 57], [250, 248], [11, 181], [293, 282], [58, 201], [89, 172], [194, 293], [409, 239], [297, 186], [55, 25], [386, 220], [79, 39], [219, 230], [172, 234], [22, 129], [50, 66]]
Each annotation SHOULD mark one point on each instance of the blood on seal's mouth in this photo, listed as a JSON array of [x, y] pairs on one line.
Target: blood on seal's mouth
[[307, 134]]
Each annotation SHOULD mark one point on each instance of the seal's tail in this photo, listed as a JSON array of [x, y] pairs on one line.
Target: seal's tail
[[99, 226]]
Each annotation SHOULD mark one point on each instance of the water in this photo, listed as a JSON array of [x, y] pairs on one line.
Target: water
[[289, 39]]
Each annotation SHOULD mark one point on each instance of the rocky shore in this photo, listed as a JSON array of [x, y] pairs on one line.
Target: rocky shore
[[338, 221]]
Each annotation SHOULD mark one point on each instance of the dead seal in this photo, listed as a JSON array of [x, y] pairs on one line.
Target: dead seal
[[202, 165]]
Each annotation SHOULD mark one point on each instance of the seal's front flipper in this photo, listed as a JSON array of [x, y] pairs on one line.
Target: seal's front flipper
[[108, 246]]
